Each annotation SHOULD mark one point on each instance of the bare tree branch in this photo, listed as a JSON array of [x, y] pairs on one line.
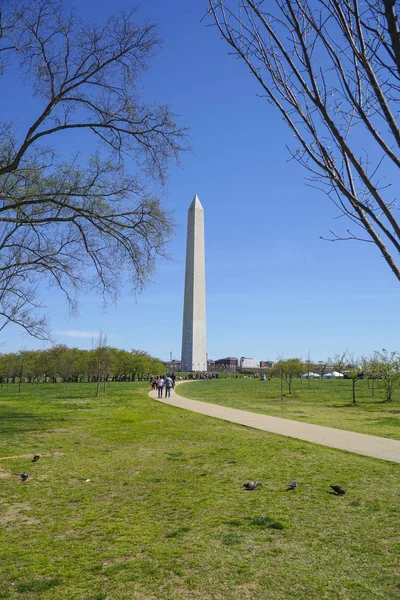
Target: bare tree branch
[[332, 70], [82, 222]]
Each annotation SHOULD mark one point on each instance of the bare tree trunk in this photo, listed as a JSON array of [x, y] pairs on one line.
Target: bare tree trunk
[[98, 377], [101, 349]]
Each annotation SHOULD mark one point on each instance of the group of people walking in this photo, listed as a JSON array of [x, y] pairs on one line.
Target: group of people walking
[[161, 382]]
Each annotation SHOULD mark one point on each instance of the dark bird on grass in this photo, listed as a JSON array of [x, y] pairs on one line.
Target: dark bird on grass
[[35, 458], [252, 485], [338, 489], [291, 486], [24, 476]]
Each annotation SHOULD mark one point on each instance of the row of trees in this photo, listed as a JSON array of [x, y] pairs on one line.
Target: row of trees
[[60, 363], [381, 365]]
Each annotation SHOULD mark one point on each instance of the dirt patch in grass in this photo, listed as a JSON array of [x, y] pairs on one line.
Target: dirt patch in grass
[[140, 596], [16, 456], [143, 451], [246, 591], [188, 595], [5, 474], [16, 513], [119, 560]]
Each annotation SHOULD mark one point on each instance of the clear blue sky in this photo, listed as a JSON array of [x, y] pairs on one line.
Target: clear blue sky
[[273, 287]]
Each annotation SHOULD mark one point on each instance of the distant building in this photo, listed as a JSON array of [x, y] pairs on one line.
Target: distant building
[[249, 363], [174, 364], [230, 362], [266, 364]]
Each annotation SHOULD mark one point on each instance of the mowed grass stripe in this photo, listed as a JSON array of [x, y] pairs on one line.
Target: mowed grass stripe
[[165, 516]]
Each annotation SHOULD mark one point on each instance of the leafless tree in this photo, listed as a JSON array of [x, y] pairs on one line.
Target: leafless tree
[[332, 70], [21, 357], [310, 367], [87, 219], [101, 353], [339, 362], [354, 372]]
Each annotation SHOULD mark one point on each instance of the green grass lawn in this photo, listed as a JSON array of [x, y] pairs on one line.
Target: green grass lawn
[[324, 402], [165, 517]]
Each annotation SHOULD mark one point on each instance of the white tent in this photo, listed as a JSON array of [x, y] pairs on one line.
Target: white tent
[[332, 375], [310, 375]]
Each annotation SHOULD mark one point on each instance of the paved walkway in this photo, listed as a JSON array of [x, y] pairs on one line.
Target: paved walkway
[[359, 443]]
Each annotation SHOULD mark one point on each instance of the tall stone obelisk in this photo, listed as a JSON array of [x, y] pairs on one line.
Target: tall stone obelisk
[[194, 355]]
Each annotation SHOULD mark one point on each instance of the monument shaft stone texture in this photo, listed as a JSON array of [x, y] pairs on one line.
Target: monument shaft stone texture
[[194, 355]]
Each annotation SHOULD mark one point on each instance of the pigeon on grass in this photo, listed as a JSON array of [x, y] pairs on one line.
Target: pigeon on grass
[[24, 476], [338, 489], [35, 458], [252, 485], [291, 486]]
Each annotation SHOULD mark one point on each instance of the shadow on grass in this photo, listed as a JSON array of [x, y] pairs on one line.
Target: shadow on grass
[[234, 522], [17, 422], [25, 416], [360, 404], [174, 455], [265, 522], [177, 532], [38, 585], [232, 539]]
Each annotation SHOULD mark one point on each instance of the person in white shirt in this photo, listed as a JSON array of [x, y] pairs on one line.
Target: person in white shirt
[[160, 386]]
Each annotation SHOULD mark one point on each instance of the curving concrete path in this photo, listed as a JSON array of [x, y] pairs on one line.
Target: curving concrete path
[[359, 443]]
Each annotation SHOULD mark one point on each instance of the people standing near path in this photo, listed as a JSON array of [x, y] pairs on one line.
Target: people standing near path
[[160, 386], [173, 377], [168, 385]]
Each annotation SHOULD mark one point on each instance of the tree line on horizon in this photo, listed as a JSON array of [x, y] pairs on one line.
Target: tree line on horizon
[[73, 365], [382, 365], [104, 363]]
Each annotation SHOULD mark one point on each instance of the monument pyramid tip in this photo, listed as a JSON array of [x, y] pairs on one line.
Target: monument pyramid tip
[[196, 202]]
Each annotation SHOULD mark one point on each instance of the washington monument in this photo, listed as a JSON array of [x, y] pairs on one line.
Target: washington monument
[[194, 356]]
